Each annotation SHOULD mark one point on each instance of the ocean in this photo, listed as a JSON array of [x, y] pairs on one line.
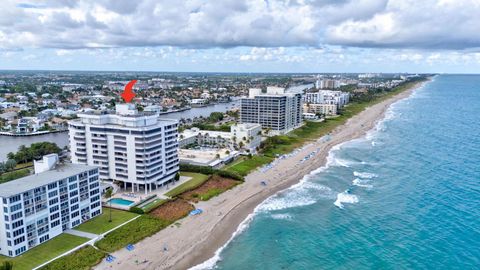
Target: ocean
[[405, 196]]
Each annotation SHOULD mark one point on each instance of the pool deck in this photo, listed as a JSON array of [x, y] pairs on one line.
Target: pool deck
[[139, 196]]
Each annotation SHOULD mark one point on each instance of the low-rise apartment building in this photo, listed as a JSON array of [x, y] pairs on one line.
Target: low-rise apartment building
[[39, 207], [247, 136]]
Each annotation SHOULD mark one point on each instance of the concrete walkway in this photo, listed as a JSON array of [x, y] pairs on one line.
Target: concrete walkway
[[82, 234]]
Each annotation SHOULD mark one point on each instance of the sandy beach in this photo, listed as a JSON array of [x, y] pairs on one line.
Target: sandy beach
[[197, 238]]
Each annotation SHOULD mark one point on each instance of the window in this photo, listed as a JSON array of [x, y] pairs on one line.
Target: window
[[16, 207], [52, 186], [17, 224], [52, 193], [18, 232], [55, 223], [53, 209], [53, 201], [17, 216], [19, 240], [14, 199]]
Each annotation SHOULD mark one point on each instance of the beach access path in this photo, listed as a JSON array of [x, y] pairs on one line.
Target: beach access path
[[197, 238]]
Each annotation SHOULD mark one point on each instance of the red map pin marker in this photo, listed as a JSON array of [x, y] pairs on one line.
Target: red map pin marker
[[127, 93]]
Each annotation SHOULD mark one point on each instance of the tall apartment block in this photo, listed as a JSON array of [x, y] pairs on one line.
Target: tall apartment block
[[38, 207], [275, 110], [137, 149]]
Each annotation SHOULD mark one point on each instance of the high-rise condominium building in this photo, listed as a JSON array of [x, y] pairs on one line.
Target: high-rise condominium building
[[38, 207], [136, 149], [275, 110]]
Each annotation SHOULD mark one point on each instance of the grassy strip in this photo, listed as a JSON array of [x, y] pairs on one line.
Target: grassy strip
[[248, 164], [101, 224], [156, 203], [24, 165], [131, 233], [45, 251], [9, 176], [209, 170], [197, 180], [211, 188], [82, 259]]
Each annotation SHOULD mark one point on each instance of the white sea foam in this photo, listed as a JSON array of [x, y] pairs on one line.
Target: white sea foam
[[362, 183], [281, 216], [366, 175], [342, 198], [210, 263], [300, 196], [345, 197]]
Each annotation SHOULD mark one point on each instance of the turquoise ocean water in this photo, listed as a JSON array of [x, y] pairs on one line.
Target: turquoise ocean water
[[406, 196]]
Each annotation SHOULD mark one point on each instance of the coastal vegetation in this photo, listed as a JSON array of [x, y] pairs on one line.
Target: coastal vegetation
[[82, 259], [44, 252], [173, 210], [214, 186], [196, 180], [209, 171], [149, 207], [282, 144], [246, 164], [131, 233]]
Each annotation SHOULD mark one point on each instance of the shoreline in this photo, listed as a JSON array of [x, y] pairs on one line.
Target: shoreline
[[37, 133], [198, 239]]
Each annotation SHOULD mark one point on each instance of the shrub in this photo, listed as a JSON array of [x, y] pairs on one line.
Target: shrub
[[9, 176], [84, 258], [209, 170], [137, 210], [150, 207], [228, 174]]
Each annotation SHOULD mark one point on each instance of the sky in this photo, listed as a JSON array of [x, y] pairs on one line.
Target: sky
[[242, 36]]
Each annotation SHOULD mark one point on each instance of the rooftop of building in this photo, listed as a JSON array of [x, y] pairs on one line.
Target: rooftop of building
[[61, 171]]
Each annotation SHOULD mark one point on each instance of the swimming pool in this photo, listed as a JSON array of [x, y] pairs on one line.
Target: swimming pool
[[120, 201]]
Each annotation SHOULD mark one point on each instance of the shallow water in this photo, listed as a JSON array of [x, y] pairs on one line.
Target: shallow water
[[406, 196]]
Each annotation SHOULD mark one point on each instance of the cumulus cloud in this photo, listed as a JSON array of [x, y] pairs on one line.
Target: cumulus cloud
[[69, 24]]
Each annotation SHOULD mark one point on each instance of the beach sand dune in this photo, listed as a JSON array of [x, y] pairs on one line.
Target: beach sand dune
[[198, 237]]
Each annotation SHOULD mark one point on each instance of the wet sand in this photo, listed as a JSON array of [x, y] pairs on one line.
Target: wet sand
[[197, 238]]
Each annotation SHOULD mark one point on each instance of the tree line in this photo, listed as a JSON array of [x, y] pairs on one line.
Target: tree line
[[34, 151]]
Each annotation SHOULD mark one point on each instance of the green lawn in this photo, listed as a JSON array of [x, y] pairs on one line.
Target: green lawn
[[100, 224], [45, 252], [197, 180], [245, 165]]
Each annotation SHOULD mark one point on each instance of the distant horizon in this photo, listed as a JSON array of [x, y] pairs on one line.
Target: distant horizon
[[233, 72]]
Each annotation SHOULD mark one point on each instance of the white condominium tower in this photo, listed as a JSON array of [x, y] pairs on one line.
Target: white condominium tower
[[139, 150], [275, 110]]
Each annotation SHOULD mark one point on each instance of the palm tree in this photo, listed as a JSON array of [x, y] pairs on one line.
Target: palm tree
[[108, 195]]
